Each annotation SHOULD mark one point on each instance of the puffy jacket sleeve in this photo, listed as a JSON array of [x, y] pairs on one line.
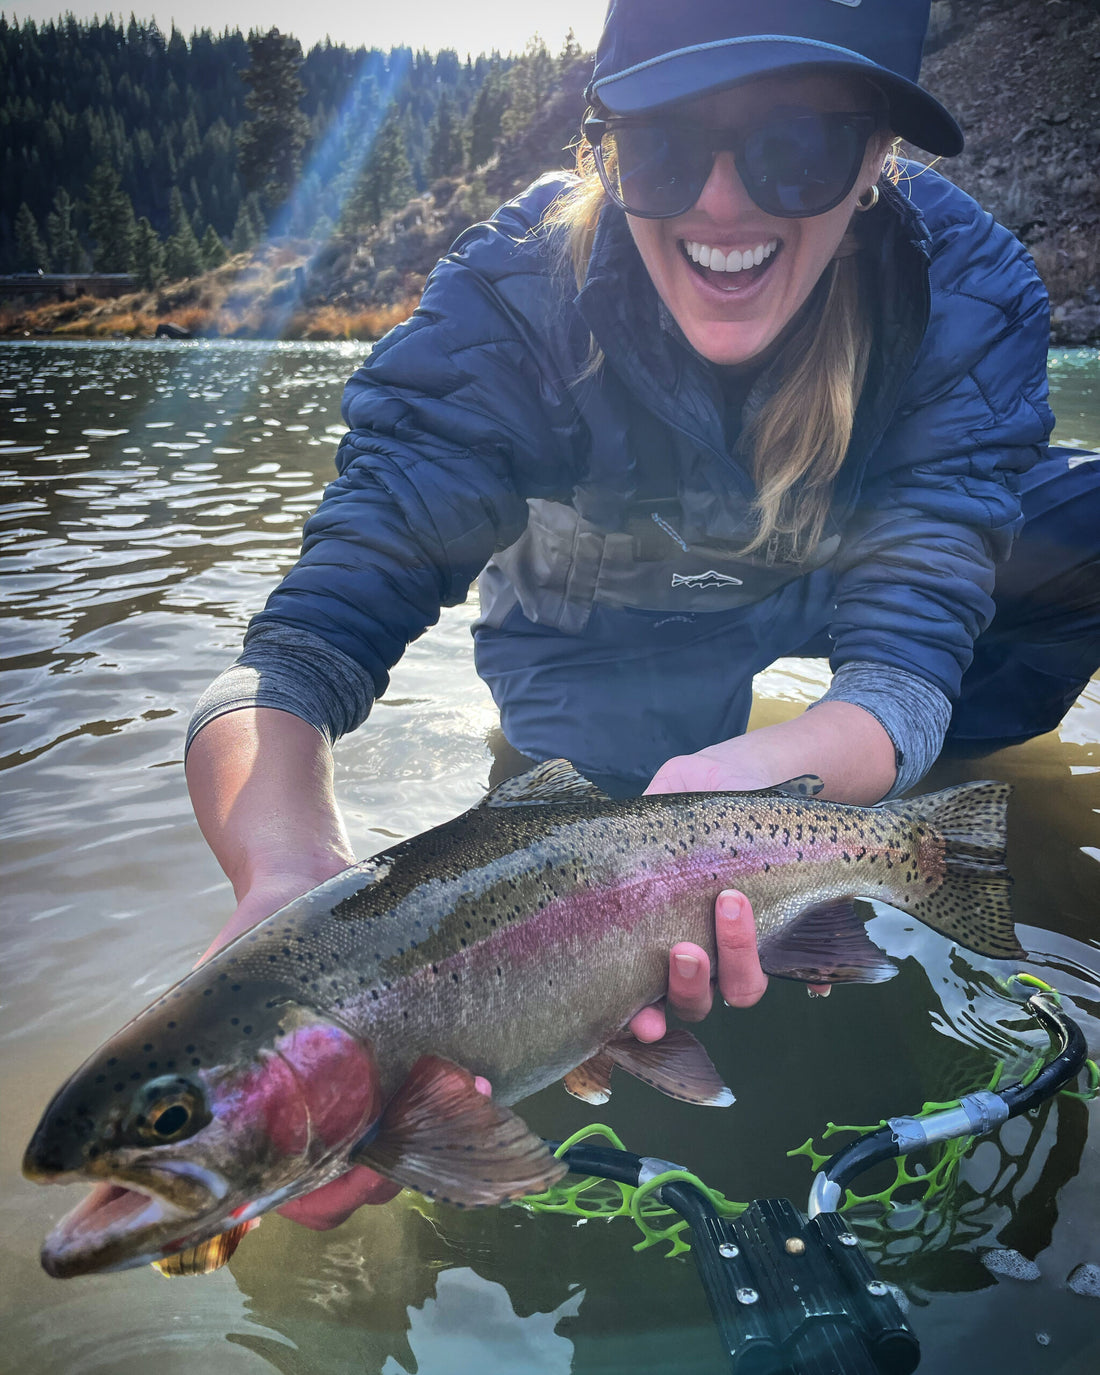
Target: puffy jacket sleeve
[[456, 417], [940, 505]]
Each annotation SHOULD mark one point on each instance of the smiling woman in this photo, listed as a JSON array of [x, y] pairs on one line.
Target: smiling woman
[[731, 392]]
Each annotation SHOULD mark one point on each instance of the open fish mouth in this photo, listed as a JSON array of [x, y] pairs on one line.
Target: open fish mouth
[[118, 1226]]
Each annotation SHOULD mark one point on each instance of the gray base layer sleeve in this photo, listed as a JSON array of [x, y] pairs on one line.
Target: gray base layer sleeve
[[913, 712], [301, 673], [295, 671]]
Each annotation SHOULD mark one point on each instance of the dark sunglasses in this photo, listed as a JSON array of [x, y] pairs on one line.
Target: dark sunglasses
[[793, 164]]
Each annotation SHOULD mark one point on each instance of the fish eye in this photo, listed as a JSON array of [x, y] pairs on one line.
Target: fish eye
[[170, 1109]]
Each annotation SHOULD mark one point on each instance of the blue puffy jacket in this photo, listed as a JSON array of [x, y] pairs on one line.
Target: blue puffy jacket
[[479, 403]]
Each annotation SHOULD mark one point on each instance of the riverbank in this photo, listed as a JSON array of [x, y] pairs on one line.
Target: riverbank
[[252, 296]]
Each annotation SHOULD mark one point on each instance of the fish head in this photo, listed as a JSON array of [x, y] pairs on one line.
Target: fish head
[[190, 1122]]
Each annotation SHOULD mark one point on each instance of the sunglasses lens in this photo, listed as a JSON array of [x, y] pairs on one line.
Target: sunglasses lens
[[796, 164], [802, 165], [656, 170]]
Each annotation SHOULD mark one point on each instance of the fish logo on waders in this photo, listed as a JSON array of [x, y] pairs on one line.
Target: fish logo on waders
[[711, 578]]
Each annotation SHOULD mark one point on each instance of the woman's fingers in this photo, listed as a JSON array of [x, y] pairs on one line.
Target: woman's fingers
[[649, 1024], [740, 978], [689, 991], [335, 1201]]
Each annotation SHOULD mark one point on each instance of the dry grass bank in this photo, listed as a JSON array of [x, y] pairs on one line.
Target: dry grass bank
[[250, 296]]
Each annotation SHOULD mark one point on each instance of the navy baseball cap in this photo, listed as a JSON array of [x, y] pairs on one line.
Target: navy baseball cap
[[654, 53]]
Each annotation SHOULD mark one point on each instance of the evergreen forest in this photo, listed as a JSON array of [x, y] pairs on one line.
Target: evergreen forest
[[124, 149]]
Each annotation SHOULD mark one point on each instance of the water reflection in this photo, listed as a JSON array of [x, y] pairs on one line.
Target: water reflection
[[152, 494]]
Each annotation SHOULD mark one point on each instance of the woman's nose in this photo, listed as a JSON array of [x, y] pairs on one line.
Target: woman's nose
[[724, 195]]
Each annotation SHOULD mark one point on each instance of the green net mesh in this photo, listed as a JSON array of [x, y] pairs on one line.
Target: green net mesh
[[921, 1185]]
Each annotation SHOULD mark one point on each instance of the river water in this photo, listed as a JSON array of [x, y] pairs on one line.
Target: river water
[[153, 492]]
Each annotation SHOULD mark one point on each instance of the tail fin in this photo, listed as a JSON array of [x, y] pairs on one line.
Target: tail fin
[[973, 903]]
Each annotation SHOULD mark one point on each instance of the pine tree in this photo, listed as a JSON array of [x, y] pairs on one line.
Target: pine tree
[[182, 254], [445, 140], [386, 180], [485, 118], [30, 250], [570, 49], [110, 221], [529, 83], [65, 250], [244, 231], [147, 262], [214, 252], [270, 144]]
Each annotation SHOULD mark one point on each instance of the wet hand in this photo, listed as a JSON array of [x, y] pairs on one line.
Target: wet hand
[[740, 980], [267, 894]]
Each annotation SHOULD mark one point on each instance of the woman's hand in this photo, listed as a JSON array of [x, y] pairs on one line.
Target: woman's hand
[[267, 893], [741, 981], [841, 743]]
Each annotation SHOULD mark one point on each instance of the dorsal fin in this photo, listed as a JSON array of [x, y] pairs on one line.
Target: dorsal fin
[[555, 781]]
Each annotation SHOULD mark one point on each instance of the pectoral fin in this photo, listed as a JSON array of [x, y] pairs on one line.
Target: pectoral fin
[[438, 1135], [827, 943], [676, 1064]]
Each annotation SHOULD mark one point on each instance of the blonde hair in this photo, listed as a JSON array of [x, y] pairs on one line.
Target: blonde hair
[[800, 437]]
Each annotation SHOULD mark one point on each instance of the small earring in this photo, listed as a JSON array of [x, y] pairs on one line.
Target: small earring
[[863, 205]]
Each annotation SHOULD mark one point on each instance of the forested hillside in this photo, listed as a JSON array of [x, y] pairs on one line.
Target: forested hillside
[[191, 128]]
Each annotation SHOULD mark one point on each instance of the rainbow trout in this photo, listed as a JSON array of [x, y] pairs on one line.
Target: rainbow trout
[[514, 942]]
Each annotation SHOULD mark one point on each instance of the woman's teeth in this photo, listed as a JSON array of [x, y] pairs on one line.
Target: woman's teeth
[[734, 260]]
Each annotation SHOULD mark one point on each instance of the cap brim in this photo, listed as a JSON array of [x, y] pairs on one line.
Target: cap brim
[[694, 72]]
